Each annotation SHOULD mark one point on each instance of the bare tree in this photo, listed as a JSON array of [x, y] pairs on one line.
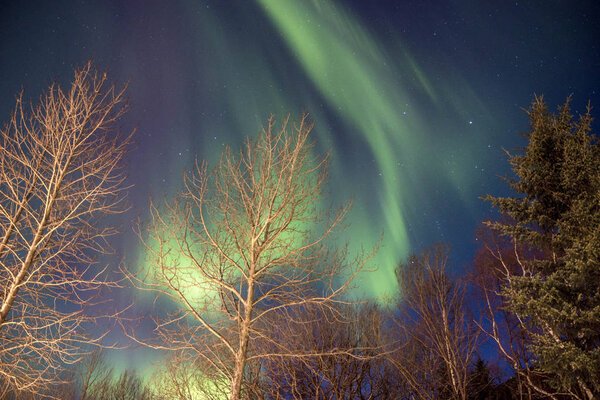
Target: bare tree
[[90, 376], [179, 378], [361, 372], [60, 174], [239, 244], [438, 339], [497, 262], [95, 379]]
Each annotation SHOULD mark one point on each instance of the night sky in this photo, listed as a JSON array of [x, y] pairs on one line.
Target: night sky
[[415, 99]]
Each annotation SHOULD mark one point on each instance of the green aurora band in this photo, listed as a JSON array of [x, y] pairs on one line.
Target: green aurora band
[[356, 77], [345, 65], [365, 99]]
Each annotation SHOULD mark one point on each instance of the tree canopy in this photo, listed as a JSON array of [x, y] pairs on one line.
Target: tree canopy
[[556, 211]]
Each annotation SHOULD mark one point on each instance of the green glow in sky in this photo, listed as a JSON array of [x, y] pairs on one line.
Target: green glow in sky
[[372, 104], [368, 87], [349, 70]]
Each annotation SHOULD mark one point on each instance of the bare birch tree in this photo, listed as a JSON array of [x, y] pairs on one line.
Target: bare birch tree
[[181, 377], [438, 338], [240, 244], [497, 262], [60, 174], [345, 356]]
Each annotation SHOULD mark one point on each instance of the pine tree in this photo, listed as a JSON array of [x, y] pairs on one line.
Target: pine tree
[[557, 212], [481, 384]]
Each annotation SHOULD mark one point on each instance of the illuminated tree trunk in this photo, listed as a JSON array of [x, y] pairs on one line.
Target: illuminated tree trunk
[[242, 355]]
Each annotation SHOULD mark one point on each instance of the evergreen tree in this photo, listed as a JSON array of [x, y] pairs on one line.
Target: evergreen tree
[[481, 384], [557, 212]]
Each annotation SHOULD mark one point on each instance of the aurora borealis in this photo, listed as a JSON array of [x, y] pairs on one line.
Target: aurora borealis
[[416, 100]]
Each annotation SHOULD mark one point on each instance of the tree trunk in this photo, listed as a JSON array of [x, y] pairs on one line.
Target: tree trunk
[[242, 355]]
